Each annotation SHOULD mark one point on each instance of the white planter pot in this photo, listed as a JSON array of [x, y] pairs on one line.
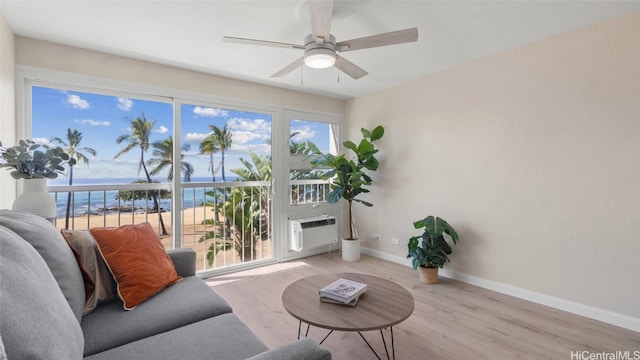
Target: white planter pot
[[35, 199], [350, 249]]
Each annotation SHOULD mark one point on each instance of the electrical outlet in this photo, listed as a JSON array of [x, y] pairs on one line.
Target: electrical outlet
[[374, 237], [395, 241]]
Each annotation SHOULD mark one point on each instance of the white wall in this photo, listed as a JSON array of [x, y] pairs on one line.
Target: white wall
[[7, 107], [533, 155]]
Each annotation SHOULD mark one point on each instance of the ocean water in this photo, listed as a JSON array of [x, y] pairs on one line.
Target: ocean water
[[98, 202]]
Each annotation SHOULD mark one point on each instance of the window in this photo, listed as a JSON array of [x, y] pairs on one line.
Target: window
[[115, 140], [96, 121], [221, 203], [306, 137]]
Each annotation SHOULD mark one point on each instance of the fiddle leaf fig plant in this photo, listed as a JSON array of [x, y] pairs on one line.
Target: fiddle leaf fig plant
[[430, 249], [30, 160], [349, 175]]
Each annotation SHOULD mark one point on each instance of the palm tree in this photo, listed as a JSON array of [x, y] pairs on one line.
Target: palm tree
[[74, 137], [258, 169], [218, 140], [163, 152], [141, 129], [209, 146], [247, 212], [221, 139]]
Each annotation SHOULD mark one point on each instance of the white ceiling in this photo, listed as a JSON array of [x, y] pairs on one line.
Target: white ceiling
[[188, 34]]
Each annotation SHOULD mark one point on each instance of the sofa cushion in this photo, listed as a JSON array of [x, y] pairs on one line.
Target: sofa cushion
[[186, 302], [223, 337], [184, 260], [138, 261], [36, 321], [98, 282], [48, 241], [304, 348]]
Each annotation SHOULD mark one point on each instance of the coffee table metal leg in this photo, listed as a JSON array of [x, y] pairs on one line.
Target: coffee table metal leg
[[393, 347], [384, 341], [369, 345], [307, 332], [300, 329], [325, 338]]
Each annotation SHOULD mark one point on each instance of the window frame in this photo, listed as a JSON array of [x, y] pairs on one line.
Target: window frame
[[27, 76]]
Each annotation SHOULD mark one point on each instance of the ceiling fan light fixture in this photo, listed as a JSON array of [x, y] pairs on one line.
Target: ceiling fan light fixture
[[320, 58]]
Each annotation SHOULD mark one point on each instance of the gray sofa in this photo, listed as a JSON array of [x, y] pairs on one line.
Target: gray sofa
[[42, 298]]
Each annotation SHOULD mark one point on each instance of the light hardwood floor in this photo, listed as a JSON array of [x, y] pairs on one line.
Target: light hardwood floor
[[451, 320]]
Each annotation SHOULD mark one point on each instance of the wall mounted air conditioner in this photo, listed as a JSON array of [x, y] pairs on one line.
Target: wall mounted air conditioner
[[312, 232]]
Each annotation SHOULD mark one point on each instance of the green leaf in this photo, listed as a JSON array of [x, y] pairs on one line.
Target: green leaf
[[365, 133], [365, 203], [433, 226], [350, 145], [413, 242], [377, 133]]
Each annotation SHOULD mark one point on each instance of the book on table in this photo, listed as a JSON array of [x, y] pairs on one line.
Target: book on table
[[327, 300], [343, 290]]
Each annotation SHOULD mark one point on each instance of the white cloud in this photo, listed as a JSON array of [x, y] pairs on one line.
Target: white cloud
[[209, 112], [77, 102], [250, 125], [162, 129], [194, 138], [243, 137], [43, 141], [192, 153], [91, 122], [256, 148], [125, 104], [247, 130], [303, 133]]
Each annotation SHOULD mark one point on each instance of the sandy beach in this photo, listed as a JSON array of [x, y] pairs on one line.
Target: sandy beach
[[191, 232]]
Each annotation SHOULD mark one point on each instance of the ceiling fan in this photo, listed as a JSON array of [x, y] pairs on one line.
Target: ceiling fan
[[320, 47]]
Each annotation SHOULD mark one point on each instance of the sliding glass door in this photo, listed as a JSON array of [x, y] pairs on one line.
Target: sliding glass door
[[226, 198]]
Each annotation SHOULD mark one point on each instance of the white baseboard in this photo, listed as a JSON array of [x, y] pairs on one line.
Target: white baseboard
[[606, 316]]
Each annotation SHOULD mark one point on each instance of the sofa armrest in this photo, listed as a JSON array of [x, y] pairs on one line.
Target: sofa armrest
[[302, 349], [184, 260]]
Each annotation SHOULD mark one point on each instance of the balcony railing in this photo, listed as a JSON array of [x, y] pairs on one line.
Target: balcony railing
[[226, 223]]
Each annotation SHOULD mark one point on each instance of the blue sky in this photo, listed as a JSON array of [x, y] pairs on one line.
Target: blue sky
[[102, 119]]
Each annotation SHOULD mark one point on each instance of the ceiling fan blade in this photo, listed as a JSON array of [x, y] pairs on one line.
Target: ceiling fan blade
[[238, 40], [349, 68], [321, 11], [390, 38], [289, 68]]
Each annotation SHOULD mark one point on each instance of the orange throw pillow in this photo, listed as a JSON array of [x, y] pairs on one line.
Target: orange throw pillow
[[138, 261]]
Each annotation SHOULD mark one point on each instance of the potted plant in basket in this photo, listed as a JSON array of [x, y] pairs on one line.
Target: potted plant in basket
[[34, 163], [350, 179], [429, 250]]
